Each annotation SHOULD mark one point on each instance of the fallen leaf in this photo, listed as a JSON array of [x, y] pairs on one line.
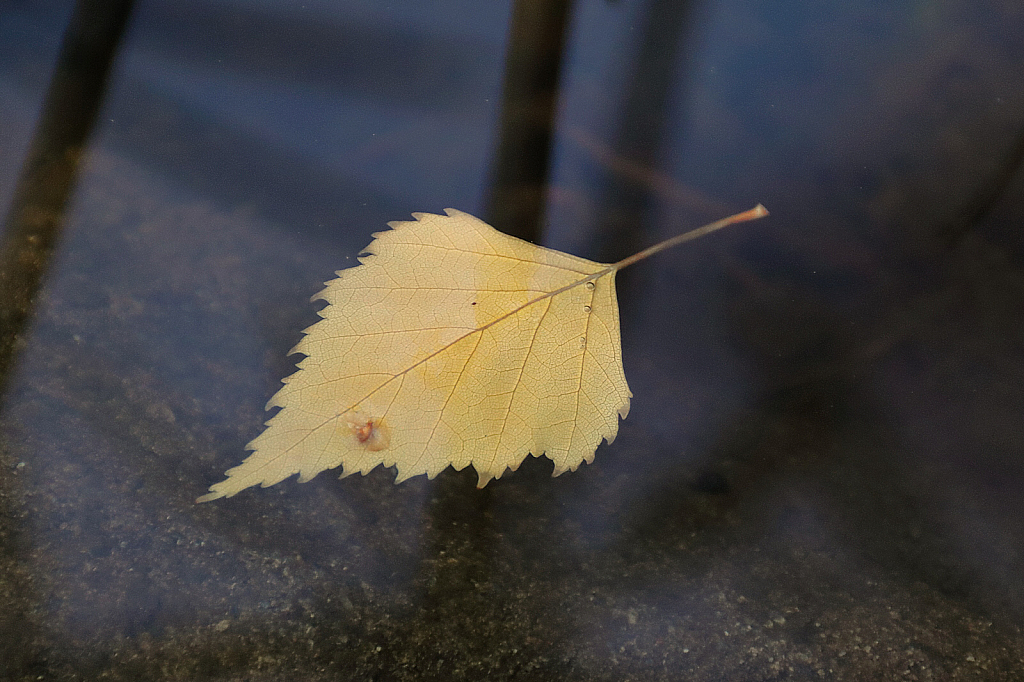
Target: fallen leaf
[[452, 344]]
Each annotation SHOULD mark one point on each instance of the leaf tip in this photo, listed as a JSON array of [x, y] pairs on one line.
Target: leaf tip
[[209, 497]]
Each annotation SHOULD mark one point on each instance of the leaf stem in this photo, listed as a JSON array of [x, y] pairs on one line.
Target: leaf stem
[[758, 211]]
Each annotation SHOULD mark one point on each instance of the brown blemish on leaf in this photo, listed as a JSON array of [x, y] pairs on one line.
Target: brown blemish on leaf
[[371, 433]]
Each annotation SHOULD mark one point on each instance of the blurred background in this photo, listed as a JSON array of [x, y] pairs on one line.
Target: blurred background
[[821, 473]]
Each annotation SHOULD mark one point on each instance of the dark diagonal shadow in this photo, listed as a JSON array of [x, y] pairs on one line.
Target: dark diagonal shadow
[[31, 233]]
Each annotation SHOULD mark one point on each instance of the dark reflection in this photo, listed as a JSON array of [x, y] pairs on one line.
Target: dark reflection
[[518, 194], [34, 221], [462, 520], [460, 517], [31, 233]]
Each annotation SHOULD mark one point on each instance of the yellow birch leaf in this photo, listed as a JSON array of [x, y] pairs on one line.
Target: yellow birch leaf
[[452, 344]]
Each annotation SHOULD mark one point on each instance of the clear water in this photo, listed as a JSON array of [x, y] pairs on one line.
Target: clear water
[[821, 472]]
